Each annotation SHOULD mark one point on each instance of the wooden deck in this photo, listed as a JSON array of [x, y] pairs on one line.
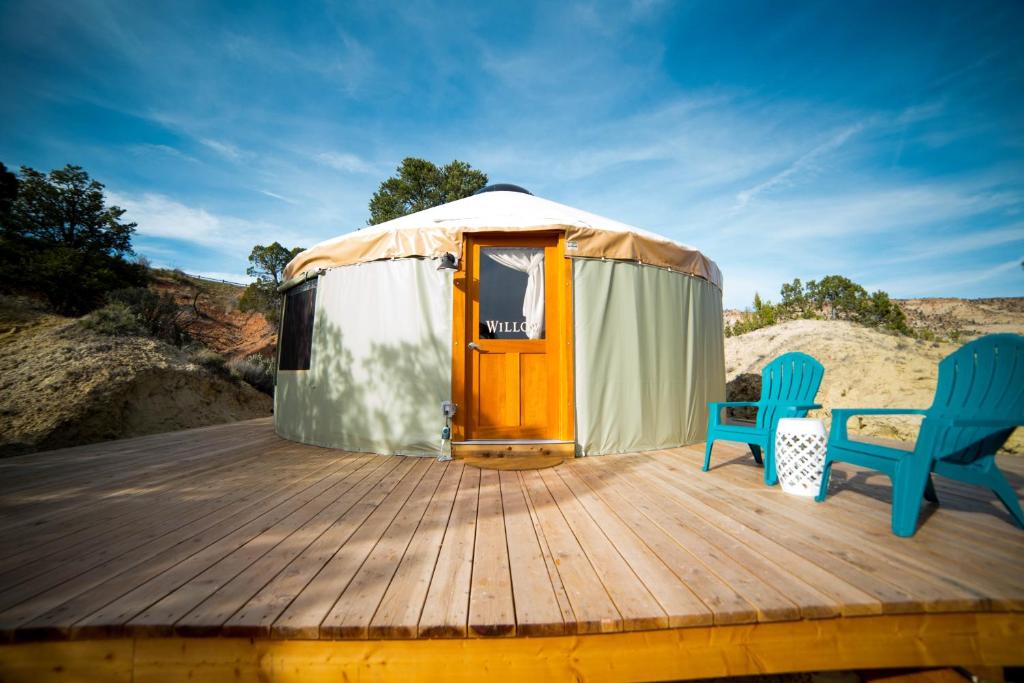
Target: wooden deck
[[230, 532]]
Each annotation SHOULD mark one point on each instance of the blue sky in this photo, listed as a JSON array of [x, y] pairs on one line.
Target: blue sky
[[880, 141]]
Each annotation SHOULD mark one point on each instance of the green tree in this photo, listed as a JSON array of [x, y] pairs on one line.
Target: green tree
[[795, 303], [67, 208], [836, 296], [419, 184], [61, 240], [267, 264], [878, 310]]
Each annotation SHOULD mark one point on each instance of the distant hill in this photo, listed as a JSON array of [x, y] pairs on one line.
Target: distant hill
[[866, 368], [952, 319], [965, 319]]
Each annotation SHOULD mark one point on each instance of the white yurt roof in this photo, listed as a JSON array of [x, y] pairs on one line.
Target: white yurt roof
[[440, 229]]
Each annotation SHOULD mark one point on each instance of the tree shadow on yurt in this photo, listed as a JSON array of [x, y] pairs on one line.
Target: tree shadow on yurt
[[383, 399]]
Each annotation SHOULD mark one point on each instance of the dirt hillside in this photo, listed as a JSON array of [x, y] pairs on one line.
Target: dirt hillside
[[864, 368], [61, 385], [965, 319], [211, 315]]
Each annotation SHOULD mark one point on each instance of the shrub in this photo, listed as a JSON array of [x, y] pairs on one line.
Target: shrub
[[114, 319], [159, 314], [210, 360], [765, 313], [256, 370], [262, 298], [73, 282]]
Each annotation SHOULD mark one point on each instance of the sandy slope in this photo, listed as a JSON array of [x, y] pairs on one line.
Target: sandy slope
[[863, 368], [61, 385]]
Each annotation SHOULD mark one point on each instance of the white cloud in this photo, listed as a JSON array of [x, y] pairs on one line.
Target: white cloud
[[343, 161], [802, 165], [937, 247], [860, 213], [950, 283], [161, 216], [147, 149], [278, 196], [225, 149]]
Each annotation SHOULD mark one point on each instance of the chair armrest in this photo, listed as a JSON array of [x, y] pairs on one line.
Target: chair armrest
[[982, 422], [801, 406], [878, 411], [715, 409], [840, 416]]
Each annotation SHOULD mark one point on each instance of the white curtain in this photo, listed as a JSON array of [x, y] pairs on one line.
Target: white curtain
[[531, 262]]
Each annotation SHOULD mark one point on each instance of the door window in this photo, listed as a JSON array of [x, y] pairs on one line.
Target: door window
[[511, 293]]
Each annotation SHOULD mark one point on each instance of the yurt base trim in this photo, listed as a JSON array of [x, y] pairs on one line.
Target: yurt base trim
[[883, 641]]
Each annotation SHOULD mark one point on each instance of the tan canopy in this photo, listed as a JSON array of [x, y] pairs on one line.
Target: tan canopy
[[433, 232]]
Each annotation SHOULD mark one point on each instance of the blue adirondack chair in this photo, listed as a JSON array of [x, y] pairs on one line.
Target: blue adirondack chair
[[978, 402], [788, 387]]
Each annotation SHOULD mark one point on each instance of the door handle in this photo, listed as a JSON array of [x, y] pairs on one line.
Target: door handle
[[473, 346]]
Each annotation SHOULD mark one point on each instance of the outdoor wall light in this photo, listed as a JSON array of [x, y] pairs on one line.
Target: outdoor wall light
[[448, 262]]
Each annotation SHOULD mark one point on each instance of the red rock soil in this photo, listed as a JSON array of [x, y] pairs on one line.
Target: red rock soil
[[214, 320]]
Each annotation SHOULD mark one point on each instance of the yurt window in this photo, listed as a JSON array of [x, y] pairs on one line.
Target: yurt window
[[512, 293], [297, 326]]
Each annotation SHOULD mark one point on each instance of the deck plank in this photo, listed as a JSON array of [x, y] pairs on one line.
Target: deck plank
[[677, 599], [376, 511], [445, 610], [60, 598], [726, 604], [537, 612], [172, 570], [593, 609], [398, 614], [351, 615], [491, 607], [787, 564], [148, 517], [43, 510], [864, 575], [937, 591], [257, 617], [769, 603], [220, 603]]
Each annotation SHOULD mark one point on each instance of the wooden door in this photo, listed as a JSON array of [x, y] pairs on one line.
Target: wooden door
[[512, 357]]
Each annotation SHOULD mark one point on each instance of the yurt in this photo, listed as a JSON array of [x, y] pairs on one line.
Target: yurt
[[501, 321]]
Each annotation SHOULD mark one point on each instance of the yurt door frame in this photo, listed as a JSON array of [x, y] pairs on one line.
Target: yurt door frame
[[510, 387]]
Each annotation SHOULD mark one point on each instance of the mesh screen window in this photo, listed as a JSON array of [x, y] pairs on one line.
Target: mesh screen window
[[297, 326]]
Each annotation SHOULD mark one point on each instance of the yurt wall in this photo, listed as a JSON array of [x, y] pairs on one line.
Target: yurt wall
[[649, 355], [381, 361]]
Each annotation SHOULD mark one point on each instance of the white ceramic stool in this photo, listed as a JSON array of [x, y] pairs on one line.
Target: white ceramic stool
[[800, 454]]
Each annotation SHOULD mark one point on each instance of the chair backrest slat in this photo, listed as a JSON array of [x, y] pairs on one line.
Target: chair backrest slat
[[790, 378], [984, 380]]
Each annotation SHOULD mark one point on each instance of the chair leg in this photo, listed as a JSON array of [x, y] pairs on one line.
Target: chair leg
[[825, 474], [1006, 494], [707, 455], [771, 478], [756, 451], [929, 491], [908, 485]]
